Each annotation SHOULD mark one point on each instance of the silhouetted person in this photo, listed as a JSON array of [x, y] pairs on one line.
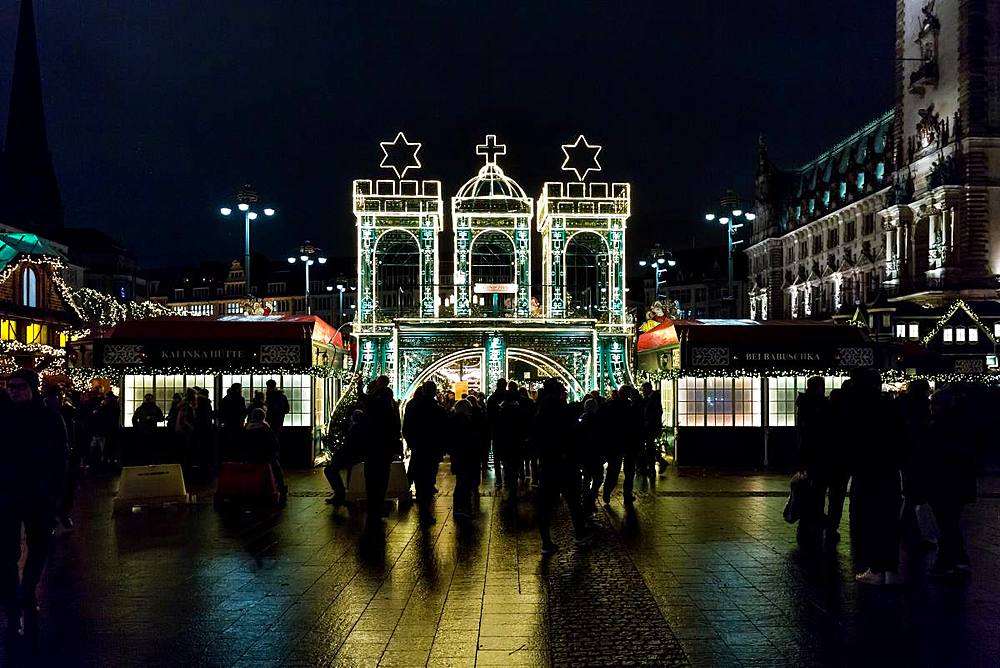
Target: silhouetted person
[[145, 436], [464, 459], [492, 417], [814, 425], [591, 439], [953, 484], [919, 460], [423, 425], [204, 431], [185, 426], [876, 496], [840, 463], [350, 453], [510, 431], [652, 429], [277, 406], [31, 483], [260, 446], [384, 447], [232, 414], [624, 414], [557, 474]]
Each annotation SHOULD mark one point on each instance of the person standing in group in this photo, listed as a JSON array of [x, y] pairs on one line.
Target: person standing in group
[[557, 473], [464, 459], [232, 414], [31, 482], [277, 406], [145, 420], [814, 424], [953, 484], [69, 412], [492, 420], [423, 424], [480, 436], [919, 462], [624, 413], [876, 495], [260, 446], [652, 429], [509, 433], [591, 439], [350, 453], [839, 474], [384, 447], [184, 428], [205, 441]]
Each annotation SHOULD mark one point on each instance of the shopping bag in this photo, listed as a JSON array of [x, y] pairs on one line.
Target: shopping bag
[[927, 522], [796, 498]]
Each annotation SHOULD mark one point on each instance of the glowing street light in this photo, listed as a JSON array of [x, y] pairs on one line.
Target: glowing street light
[[245, 197], [730, 202], [656, 258], [308, 255]]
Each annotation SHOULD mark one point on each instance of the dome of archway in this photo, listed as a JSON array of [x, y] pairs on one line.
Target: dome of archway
[[492, 191]]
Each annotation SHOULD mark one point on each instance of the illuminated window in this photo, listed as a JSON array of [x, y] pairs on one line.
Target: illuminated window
[[35, 333], [973, 335], [959, 335], [996, 330], [900, 330], [8, 330], [63, 339], [29, 287], [719, 402], [914, 330], [134, 388], [782, 392], [947, 335]]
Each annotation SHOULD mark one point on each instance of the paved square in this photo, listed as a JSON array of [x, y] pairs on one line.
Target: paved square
[[705, 574]]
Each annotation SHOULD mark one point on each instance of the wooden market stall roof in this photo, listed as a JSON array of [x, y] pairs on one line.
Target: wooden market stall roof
[[231, 327]]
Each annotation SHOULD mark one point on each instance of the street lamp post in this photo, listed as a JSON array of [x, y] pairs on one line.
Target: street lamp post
[[308, 255], [340, 287], [731, 213], [656, 260], [246, 197]]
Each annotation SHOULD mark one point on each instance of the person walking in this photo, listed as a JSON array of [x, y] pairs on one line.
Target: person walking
[[260, 446], [652, 429], [953, 485], [814, 424], [510, 431], [624, 413], [31, 482], [919, 461], [591, 438], [876, 494], [76, 448], [350, 453], [423, 423], [557, 475], [277, 406]]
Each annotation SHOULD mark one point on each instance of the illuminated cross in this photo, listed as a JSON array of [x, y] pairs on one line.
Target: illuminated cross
[[491, 149]]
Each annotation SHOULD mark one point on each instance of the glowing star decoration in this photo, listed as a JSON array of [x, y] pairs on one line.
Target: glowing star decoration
[[491, 149], [583, 159], [400, 155]]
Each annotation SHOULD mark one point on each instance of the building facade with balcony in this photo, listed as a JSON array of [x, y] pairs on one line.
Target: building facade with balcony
[[909, 205]]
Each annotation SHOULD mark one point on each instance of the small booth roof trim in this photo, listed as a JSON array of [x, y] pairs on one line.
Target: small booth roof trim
[[232, 327]]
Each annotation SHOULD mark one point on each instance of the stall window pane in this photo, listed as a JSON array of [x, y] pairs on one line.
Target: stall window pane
[[959, 335], [228, 380], [667, 399], [690, 402], [946, 334], [298, 391], [135, 388], [973, 335]]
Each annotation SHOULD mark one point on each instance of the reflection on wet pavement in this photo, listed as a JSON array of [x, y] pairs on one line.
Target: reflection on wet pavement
[[697, 575]]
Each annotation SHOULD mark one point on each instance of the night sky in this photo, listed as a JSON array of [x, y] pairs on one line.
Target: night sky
[[158, 110]]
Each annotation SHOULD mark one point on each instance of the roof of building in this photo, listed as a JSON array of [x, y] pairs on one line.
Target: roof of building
[[492, 191], [14, 245], [231, 327], [850, 170]]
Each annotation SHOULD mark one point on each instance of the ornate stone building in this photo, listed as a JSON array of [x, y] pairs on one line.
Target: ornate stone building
[[909, 204]]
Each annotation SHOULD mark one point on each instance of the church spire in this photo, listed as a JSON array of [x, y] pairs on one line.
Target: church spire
[[32, 190]]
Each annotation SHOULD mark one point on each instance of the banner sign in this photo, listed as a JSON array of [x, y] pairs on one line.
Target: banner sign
[[495, 288], [203, 354]]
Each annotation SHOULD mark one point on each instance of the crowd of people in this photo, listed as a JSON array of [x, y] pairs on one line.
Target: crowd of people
[[900, 485], [573, 451]]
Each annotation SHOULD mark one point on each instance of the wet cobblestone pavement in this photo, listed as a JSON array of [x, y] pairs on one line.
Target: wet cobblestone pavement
[[705, 573]]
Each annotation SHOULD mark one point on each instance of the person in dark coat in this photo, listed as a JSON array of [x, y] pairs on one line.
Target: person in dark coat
[[492, 419], [424, 423], [919, 461], [277, 406], [145, 420], [814, 426], [557, 474], [260, 446], [232, 414], [876, 494], [510, 431], [385, 446], [31, 483], [652, 429], [464, 459], [953, 484], [349, 454], [204, 432], [591, 439], [624, 412]]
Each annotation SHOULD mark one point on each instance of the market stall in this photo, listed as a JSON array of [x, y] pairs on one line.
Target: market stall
[[162, 356], [729, 386]]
